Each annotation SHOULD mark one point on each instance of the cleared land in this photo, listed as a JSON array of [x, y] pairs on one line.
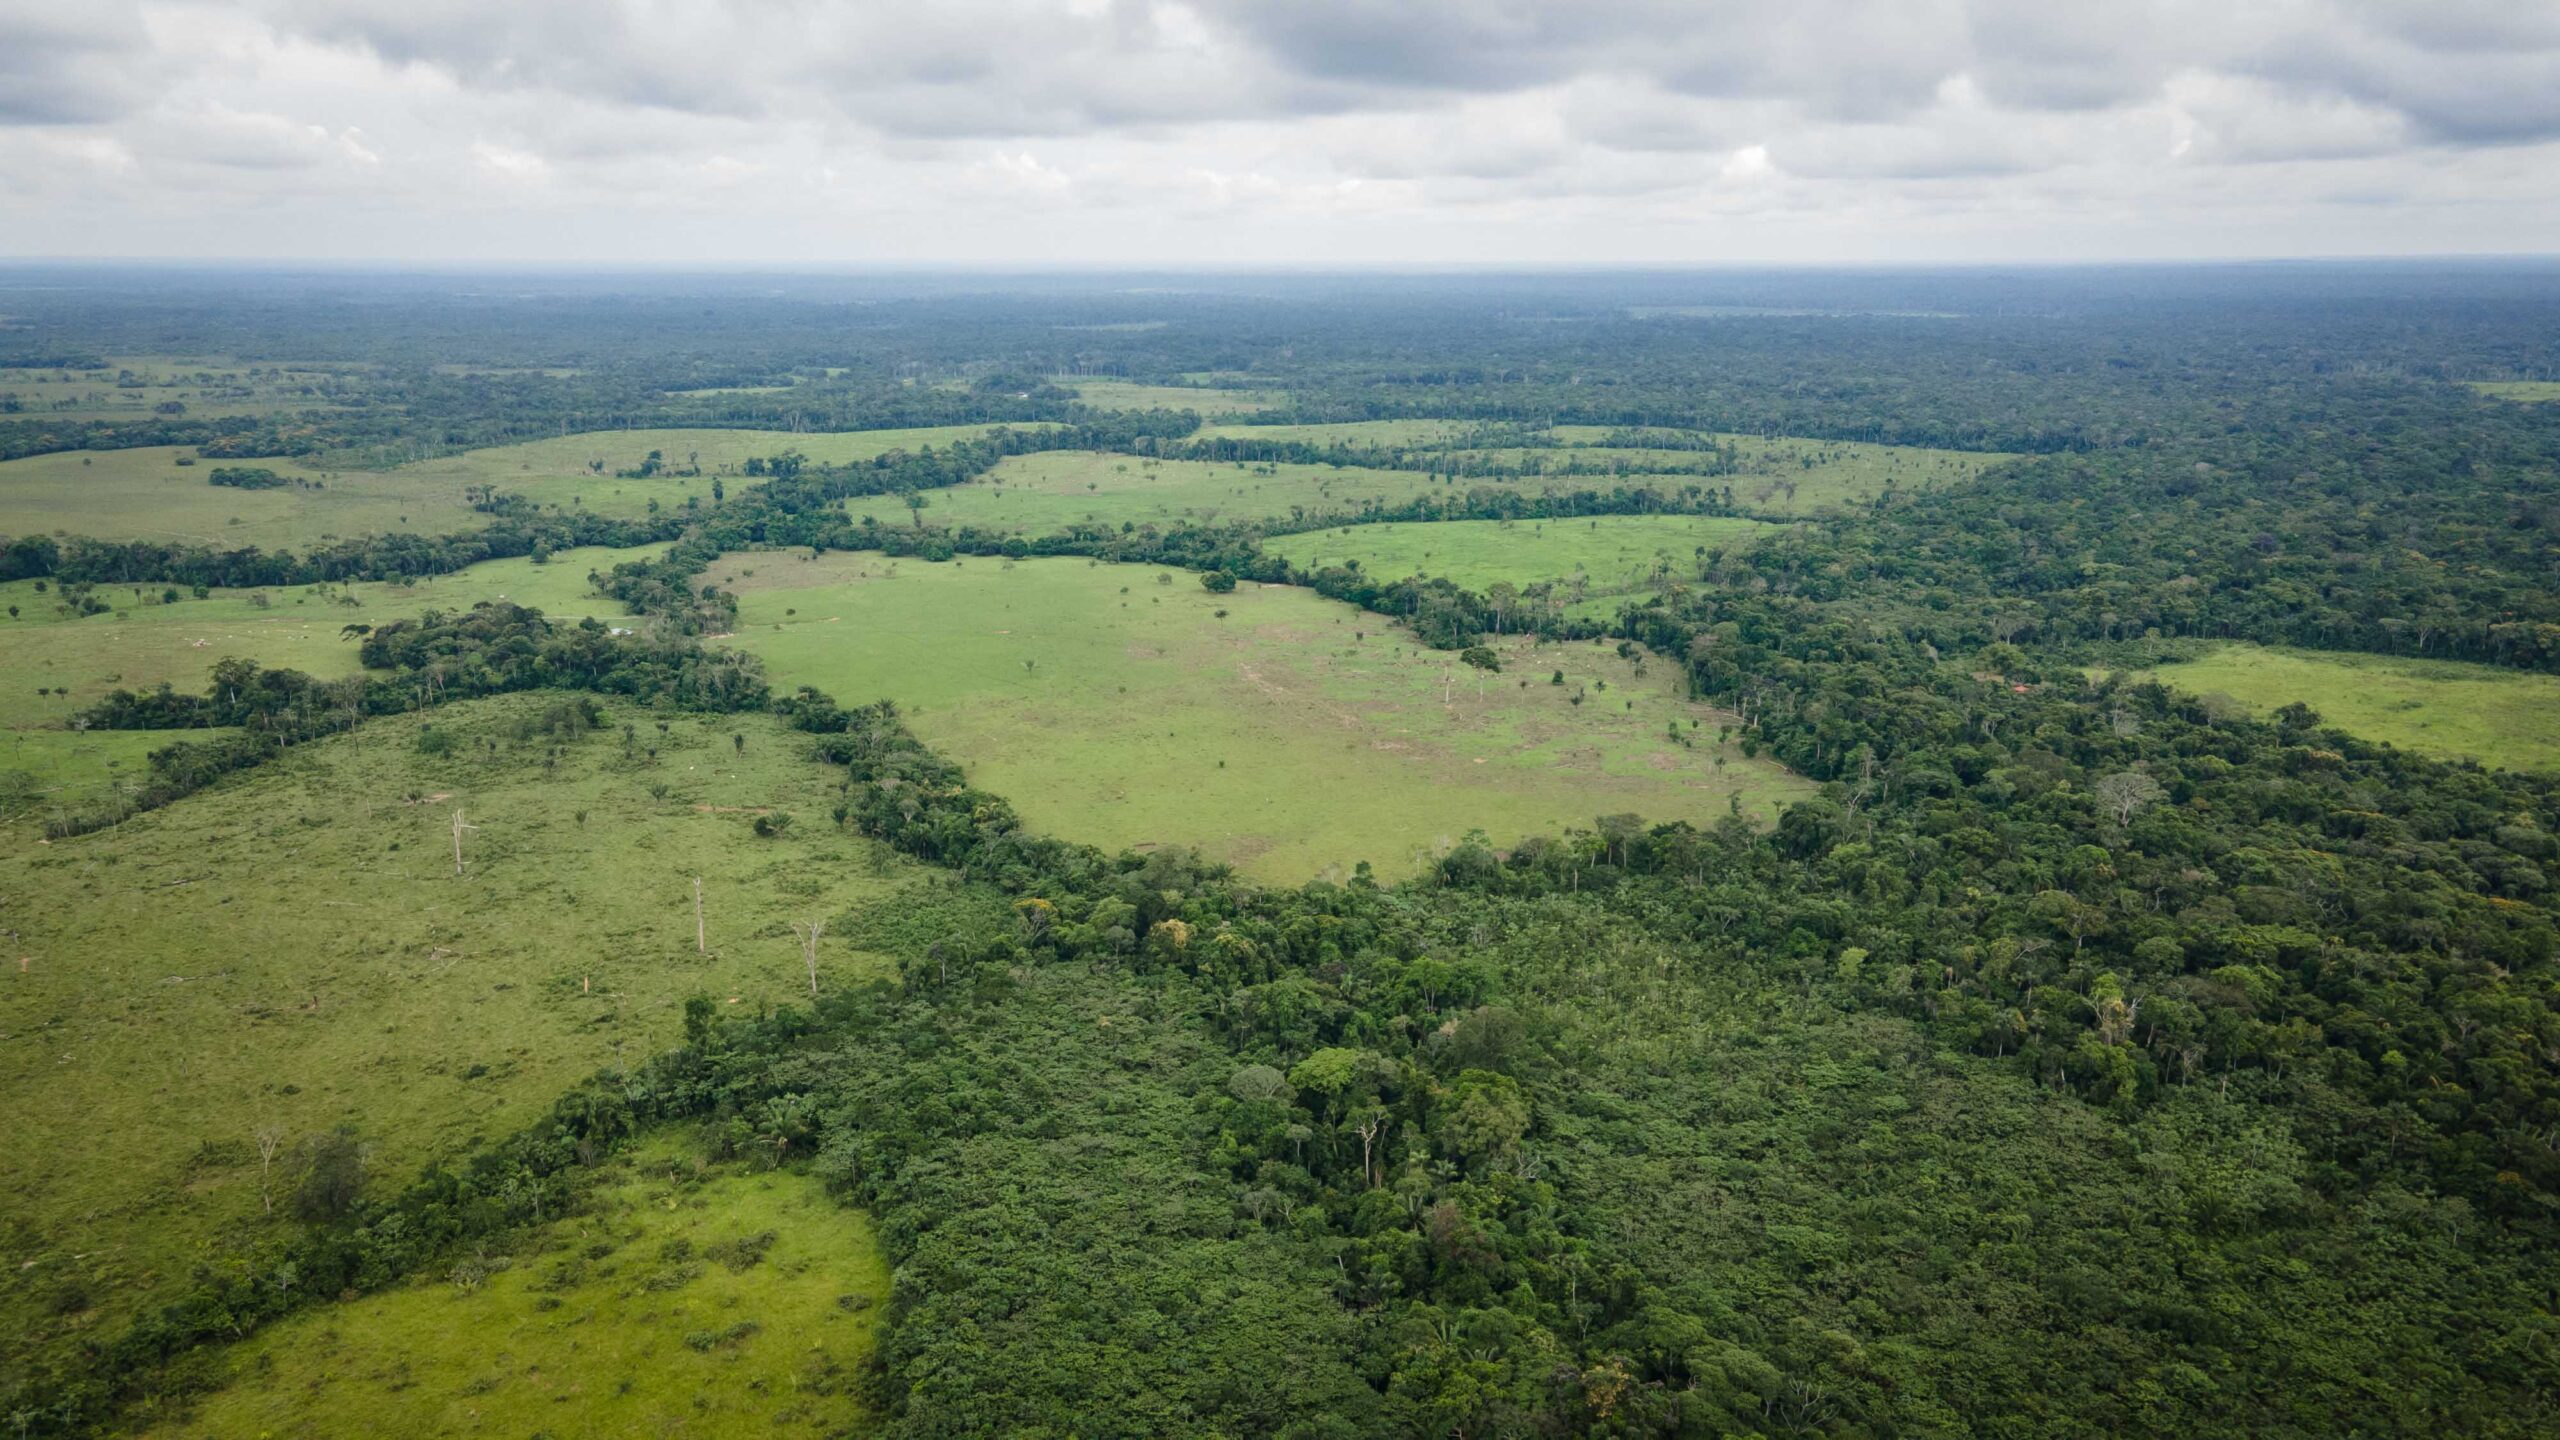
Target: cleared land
[[292, 949], [1126, 395], [1783, 476], [145, 494], [147, 639], [2436, 707], [2531, 392], [628, 1319], [1608, 554], [1047, 492], [135, 387], [1351, 432], [1290, 736]]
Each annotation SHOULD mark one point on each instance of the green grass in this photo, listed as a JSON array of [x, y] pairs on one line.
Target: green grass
[[144, 494], [2435, 707], [621, 1320], [208, 386], [1126, 395], [1610, 554], [1350, 432], [563, 472], [144, 641], [2531, 392], [1047, 492], [1781, 477], [1292, 736], [293, 948]]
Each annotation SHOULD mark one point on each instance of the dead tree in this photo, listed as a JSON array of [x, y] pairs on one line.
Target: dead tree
[[270, 1140], [809, 931], [458, 828], [701, 945]]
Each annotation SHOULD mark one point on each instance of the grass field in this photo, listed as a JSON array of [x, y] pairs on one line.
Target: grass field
[[145, 494], [1609, 554], [1115, 705], [1125, 395], [293, 949], [132, 387], [2531, 392], [1350, 432], [621, 1320], [145, 640], [2436, 707], [1047, 492], [1781, 477]]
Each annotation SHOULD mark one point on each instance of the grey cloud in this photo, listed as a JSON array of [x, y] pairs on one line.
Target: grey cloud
[[1385, 113], [70, 64]]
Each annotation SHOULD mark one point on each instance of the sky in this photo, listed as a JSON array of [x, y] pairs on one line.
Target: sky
[[1292, 133]]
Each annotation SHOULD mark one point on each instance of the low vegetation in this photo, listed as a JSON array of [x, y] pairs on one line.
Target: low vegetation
[[293, 952], [2444, 708], [1581, 559], [66, 647], [163, 492], [679, 1299], [2528, 392], [1125, 705], [1056, 490], [1205, 401]]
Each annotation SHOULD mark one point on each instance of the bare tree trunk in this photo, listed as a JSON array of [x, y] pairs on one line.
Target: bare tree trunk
[[270, 1140], [809, 932], [458, 828], [701, 945]]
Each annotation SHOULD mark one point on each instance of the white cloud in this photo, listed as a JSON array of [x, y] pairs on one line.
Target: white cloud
[[508, 163]]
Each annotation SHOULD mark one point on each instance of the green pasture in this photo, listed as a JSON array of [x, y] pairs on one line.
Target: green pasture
[[1128, 395], [631, 1317], [146, 638], [2531, 392], [2443, 708], [1785, 476], [1782, 476], [134, 387], [1270, 727], [293, 951], [145, 494], [1392, 433], [1047, 492], [1607, 554]]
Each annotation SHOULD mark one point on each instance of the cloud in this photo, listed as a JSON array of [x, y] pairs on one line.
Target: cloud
[[69, 64], [1319, 129], [505, 162]]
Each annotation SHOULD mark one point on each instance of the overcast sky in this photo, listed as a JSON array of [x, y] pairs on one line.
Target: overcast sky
[[1301, 132]]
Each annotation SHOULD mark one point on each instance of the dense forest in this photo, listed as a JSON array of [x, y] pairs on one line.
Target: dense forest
[[2084, 1059]]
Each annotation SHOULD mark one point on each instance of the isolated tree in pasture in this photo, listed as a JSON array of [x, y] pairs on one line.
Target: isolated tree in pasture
[[809, 931], [270, 1141], [333, 1179]]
